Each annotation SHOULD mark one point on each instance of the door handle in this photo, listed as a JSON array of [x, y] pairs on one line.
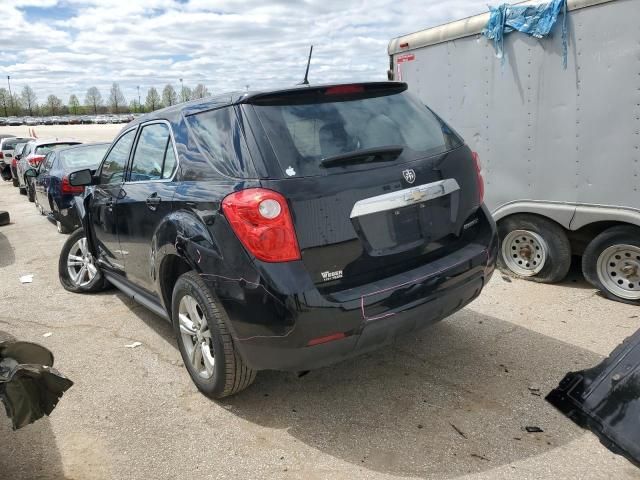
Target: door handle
[[153, 201]]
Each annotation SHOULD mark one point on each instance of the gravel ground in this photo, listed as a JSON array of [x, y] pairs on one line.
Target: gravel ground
[[450, 402]]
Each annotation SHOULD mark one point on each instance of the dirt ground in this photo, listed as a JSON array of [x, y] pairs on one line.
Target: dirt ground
[[449, 402]]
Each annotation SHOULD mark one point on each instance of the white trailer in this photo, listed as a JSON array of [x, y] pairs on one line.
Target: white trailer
[[560, 148]]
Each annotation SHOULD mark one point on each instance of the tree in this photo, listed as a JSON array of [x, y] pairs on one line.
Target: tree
[[116, 98], [74, 104], [186, 94], [53, 104], [134, 106], [169, 95], [200, 92], [29, 99], [153, 100], [93, 99], [5, 101]]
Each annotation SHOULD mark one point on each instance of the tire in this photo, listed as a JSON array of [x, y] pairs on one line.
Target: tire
[[533, 248], [23, 190], [95, 284], [31, 194], [4, 218], [611, 263], [229, 374], [15, 181]]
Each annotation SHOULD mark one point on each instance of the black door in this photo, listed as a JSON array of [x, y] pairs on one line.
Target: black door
[[42, 181], [103, 211], [145, 201]]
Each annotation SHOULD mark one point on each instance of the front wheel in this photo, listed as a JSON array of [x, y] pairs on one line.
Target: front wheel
[[15, 181], [206, 346], [533, 248], [611, 263], [31, 194], [77, 267]]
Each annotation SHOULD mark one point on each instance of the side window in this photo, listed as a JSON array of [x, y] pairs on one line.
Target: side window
[[114, 164], [154, 158], [48, 161]]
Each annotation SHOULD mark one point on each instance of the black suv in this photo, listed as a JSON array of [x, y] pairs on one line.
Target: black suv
[[286, 229]]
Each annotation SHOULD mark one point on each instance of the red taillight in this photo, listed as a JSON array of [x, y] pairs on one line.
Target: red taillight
[[14, 162], [1, 155], [36, 160], [68, 188], [262, 221], [404, 45], [344, 90], [476, 163]]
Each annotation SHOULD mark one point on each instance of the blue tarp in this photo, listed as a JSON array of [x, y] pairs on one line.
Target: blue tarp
[[534, 20]]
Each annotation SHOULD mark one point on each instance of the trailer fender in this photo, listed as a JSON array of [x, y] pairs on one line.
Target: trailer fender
[[587, 214], [561, 213]]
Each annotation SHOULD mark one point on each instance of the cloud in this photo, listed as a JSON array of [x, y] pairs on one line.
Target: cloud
[[67, 46]]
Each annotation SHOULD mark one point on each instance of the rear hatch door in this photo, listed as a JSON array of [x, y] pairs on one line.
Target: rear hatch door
[[376, 182]]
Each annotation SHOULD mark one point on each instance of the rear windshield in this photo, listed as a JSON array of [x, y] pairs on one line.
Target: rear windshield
[[44, 149], [83, 157], [303, 134], [11, 144]]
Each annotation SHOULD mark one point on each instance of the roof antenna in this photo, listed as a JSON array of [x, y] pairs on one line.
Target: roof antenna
[[306, 74]]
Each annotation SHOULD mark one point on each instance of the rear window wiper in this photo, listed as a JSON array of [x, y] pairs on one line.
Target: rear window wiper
[[367, 155]]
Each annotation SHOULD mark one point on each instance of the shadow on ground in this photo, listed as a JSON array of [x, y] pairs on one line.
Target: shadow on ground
[[456, 395]]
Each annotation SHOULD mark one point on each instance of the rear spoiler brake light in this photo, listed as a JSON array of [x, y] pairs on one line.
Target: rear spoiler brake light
[[325, 93]]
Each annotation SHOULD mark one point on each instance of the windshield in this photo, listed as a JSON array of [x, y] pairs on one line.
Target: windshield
[[83, 157], [303, 134], [11, 144], [44, 149]]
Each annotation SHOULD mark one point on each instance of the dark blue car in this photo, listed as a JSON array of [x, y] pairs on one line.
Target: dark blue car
[[54, 194]]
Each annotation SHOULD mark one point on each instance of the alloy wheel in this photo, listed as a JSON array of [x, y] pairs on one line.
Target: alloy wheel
[[196, 336], [80, 263]]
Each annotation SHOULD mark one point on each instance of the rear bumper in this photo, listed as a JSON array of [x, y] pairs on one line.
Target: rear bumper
[[368, 317]]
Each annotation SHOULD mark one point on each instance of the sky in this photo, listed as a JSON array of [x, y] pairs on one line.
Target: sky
[[66, 46]]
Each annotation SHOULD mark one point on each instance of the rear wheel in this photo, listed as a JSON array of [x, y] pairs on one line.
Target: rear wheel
[[611, 263], [533, 248], [31, 194], [77, 268], [15, 181], [206, 346]]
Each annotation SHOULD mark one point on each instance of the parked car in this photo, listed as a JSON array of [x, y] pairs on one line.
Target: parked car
[[17, 155], [47, 120], [335, 219], [14, 121], [63, 120], [53, 193], [30, 121], [100, 119], [7, 147], [84, 119], [32, 156], [3, 121]]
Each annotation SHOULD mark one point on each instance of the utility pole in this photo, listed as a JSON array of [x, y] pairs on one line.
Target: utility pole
[[10, 94], [181, 90], [139, 106]]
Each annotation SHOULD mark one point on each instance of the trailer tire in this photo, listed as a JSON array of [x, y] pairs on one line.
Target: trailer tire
[[533, 248], [4, 218], [611, 263]]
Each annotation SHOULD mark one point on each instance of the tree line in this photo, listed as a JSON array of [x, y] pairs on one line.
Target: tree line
[[26, 102]]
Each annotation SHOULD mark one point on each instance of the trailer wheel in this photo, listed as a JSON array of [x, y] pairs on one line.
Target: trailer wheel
[[611, 263], [533, 248]]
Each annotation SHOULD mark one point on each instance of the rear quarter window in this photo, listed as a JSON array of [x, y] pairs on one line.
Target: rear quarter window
[[221, 141]]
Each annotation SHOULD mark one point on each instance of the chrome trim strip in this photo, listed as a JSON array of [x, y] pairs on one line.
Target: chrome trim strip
[[404, 198]]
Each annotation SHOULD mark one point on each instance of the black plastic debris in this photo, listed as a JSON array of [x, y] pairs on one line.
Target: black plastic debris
[[29, 385], [533, 429], [606, 399]]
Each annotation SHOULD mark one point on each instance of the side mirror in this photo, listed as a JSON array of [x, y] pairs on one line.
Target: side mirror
[[81, 178], [31, 173]]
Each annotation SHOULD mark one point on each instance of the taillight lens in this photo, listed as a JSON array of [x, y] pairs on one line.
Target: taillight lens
[[36, 160], [262, 221], [14, 162], [1, 155], [476, 163], [68, 188]]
